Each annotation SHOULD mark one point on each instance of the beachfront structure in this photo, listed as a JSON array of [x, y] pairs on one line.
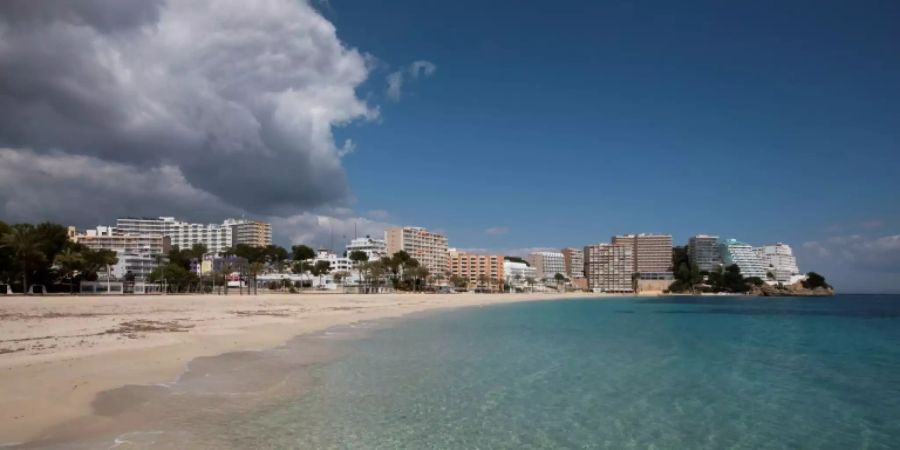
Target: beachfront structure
[[573, 260], [609, 267], [109, 238], [703, 251], [547, 264], [216, 237], [220, 263], [517, 274], [336, 264], [779, 261], [249, 232], [429, 248], [375, 249], [652, 253], [139, 263], [736, 252], [475, 268]]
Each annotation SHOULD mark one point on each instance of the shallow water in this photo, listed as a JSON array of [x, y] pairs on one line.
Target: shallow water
[[674, 372], [661, 373]]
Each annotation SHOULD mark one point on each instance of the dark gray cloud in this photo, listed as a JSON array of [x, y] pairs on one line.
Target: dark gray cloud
[[204, 106]]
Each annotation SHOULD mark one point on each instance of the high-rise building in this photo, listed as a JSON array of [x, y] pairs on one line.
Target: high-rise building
[[475, 268], [609, 267], [652, 253], [216, 237], [547, 264], [574, 262], [249, 232], [373, 248], [736, 252], [703, 250], [430, 249], [779, 261], [109, 238]]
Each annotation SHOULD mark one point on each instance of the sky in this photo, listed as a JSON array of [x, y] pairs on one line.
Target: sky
[[507, 125]]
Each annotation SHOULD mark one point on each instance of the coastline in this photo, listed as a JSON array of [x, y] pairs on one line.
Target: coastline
[[58, 353]]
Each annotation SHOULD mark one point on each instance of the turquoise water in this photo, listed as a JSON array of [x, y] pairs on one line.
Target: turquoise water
[[659, 373]]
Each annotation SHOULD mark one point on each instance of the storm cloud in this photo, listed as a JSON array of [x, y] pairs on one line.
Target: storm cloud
[[194, 107]]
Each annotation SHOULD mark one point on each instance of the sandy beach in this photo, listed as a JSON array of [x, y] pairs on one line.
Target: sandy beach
[[58, 352]]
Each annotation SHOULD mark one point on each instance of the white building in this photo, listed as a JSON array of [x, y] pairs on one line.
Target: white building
[[703, 250], [733, 251], [139, 263], [373, 248], [547, 264], [216, 237], [779, 261], [518, 273], [336, 263]]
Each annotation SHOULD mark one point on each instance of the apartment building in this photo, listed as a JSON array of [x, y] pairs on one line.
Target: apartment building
[[373, 248], [609, 267], [703, 250], [517, 274], [109, 238], [216, 237], [473, 267], [736, 252], [652, 253], [249, 232], [573, 260], [779, 261], [547, 264], [430, 249]]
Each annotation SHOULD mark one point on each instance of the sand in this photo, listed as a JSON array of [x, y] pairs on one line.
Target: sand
[[57, 353]]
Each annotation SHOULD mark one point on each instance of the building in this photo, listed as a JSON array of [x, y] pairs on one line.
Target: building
[[249, 232], [474, 267], [217, 238], [652, 252], [609, 267], [139, 264], [735, 252], [779, 261], [703, 251], [573, 260], [373, 248], [517, 274], [109, 238], [217, 263], [547, 264], [336, 264], [430, 249]]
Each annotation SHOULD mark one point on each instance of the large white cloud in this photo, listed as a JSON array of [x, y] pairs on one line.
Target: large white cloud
[[204, 107]]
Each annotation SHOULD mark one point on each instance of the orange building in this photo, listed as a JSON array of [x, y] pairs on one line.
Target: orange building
[[474, 267]]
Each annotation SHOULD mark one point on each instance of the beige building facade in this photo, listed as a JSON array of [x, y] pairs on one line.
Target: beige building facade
[[474, 267], [574, 263], [609, 267], [251, 232], [652, 253], [430, 249]]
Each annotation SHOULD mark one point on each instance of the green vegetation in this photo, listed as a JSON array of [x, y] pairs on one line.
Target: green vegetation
[[42, 254], [814, 280]]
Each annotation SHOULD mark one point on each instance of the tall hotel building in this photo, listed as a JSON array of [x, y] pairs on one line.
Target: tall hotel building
[[735, 252], [472, 267], [574, 262], [703, 251], [652, 253], [780, 261], [430, 249], [609, 267], [216, 237], [547, 264]]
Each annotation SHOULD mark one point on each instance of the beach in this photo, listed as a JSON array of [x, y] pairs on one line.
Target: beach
[[57, 353]]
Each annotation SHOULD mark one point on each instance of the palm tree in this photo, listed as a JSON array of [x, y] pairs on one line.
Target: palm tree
[[26, 248], [70, 263], [483, 279], [255, 269]]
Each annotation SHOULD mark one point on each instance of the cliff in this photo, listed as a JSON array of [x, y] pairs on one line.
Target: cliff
[[793, 290]]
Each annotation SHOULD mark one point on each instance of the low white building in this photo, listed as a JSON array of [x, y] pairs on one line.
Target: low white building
[[779, 261], [373, 248], [336, 263], [517, 274], [733, 251], [138, 263]]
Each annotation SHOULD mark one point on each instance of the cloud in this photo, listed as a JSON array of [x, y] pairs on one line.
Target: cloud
[[204, 107], [497, 231], [855, 262], [396, 80], [319, 229]]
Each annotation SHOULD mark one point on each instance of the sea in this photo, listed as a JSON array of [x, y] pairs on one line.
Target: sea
[[648, 373]]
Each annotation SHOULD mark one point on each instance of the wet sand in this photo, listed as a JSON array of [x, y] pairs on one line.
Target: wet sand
[[83, 365]]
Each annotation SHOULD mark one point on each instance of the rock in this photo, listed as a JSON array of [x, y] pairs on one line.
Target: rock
[[792, 290]]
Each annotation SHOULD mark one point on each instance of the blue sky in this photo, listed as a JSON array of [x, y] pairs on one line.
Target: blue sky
[[564, 123]]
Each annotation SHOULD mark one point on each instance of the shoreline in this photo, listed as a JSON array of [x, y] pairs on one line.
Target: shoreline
[[58, 353]]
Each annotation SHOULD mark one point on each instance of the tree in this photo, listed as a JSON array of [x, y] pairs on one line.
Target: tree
[[321, 268], [814, 280], [94, 260], [559, 279], [483, 280], [302, 252], [70, 262], [359, 258], [732, 280], [256, 268], [173, 275], [26, 248]]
